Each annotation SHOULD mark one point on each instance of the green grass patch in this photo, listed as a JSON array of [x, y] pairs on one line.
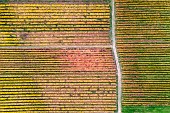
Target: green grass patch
[[145, 109]]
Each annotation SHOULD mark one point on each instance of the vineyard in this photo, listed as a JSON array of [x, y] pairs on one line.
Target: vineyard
[[57, 56], [49, 59], [144, 45]]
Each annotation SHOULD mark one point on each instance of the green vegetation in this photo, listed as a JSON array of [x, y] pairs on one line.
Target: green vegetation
[[4, 1], [146, 109]]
